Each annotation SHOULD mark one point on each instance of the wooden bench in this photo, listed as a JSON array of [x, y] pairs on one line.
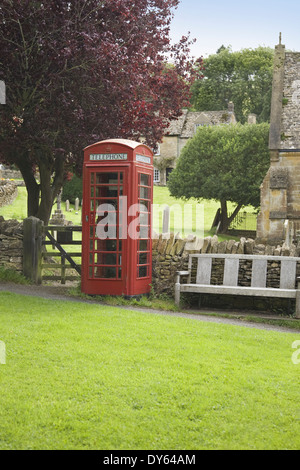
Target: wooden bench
[[202, 284]]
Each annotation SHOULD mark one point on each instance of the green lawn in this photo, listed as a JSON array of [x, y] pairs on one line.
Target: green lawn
[[98, 377]]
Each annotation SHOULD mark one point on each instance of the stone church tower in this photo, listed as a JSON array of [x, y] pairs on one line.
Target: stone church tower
[[280, 190]]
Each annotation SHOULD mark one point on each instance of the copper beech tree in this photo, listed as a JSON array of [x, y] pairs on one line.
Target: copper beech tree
[[80, 71]]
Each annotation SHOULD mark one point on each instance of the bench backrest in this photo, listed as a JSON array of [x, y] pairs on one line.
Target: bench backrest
[[288, 266]]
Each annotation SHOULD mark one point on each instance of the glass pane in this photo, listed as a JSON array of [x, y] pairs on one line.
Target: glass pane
[[144, 206], [143, 245], [106, 205], [92, 178], [144, 193], [106, 191], [142, 271], [143, 258], [106, 178], [92, 191], [145, 180], [144, 232], [144, 218], [120, 273], [105, 272], [106, 258], [107, 245]]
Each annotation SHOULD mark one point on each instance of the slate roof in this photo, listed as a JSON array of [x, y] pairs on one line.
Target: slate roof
[[185, 125]]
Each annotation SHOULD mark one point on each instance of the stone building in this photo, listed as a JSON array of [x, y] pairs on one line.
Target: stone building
[[178, 133], [280, 190]]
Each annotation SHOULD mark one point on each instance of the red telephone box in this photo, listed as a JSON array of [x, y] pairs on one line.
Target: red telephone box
[[116, 218]]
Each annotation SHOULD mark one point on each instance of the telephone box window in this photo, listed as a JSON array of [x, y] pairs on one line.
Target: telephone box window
[[144, 200]]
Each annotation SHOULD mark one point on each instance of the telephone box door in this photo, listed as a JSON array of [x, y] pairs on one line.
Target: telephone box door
[[104, 247]]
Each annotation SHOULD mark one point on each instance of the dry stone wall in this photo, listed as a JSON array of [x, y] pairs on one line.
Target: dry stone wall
[[8, 192], [11, 244], [170, 254]]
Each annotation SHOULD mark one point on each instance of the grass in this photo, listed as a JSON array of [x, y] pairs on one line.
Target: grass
[[199, 225], [18, 209], [10, 275], [101, 377], [161, 302], [161, 197], [165, 303]]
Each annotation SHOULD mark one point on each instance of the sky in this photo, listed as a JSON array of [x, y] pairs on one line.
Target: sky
[[237, 24]]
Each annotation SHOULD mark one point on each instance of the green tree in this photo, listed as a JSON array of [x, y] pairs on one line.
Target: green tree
[[224, 163], [244, 77]]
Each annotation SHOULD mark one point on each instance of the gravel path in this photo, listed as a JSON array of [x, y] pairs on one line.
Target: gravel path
[[61, 293]]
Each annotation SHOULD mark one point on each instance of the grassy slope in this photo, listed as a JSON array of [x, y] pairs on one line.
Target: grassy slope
[[105, 378]]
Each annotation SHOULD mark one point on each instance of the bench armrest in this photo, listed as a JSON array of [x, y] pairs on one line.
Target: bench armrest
[[177, 284], [180, 273], [184, 273]]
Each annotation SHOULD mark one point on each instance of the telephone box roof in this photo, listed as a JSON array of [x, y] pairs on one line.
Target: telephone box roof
[[129, 143]]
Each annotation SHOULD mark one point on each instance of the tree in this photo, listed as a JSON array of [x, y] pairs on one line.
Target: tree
[[224, 163], [80, 71], [243, 77]]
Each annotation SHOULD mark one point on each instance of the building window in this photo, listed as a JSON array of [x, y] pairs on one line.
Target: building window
[[168, 172], [156, 178]]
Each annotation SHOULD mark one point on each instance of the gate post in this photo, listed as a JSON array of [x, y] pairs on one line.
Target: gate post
[[32, 249]]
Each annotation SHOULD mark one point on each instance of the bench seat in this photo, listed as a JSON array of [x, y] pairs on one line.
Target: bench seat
[[289, 285], [239, 290]]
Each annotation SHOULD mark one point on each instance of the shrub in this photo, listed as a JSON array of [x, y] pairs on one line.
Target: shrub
[[72, 189]]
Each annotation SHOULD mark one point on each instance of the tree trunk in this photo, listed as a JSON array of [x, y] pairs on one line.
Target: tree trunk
[[32, 187], [225, 220], [49, 190], [40, 196]]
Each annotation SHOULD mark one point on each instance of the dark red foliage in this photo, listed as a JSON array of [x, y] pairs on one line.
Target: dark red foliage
[[80, 71]]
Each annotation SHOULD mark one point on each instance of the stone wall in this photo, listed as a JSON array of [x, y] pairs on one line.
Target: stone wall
[[290, 123], [8, 192], [11, 174], [171, 254], [11, 244]]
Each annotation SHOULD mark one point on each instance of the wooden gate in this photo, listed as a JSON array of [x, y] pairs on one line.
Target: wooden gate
[[45, 258], [55, 236]]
